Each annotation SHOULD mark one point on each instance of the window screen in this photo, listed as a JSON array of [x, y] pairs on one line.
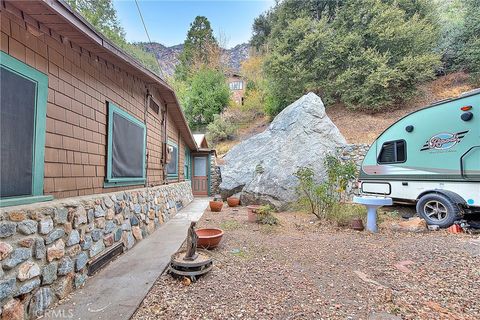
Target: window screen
[[127, 148], [393, 152], [200, 166], [17, 125], [172, 166]]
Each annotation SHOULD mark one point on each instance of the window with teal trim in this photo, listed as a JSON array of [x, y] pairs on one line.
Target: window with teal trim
[[126, 148], [23, 105], [172, 166]]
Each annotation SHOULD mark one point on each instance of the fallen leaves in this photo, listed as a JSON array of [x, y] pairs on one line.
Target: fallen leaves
[[314, 271]]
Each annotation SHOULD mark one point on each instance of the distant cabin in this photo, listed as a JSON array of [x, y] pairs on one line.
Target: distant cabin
[[237, 86]]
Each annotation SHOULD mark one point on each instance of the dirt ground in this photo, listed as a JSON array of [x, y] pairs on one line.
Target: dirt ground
[[301, 269]]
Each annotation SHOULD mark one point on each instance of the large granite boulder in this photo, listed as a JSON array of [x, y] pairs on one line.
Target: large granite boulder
[[262, 167]]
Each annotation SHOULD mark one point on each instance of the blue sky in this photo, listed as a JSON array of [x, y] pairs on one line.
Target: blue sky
[[168, 20]]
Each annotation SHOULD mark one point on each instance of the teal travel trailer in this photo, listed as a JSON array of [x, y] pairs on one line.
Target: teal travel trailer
[[430, 157]]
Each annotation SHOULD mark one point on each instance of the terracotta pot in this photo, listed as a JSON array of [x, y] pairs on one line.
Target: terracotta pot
[[216, 206], [209, 238], [233, 201], [357, 224], [252, 213], [455, 228]]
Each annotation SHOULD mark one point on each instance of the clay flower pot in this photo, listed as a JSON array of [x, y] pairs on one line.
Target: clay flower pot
[[233, 201], [216, 206], [252, 213], [357, 224], [209, 238]]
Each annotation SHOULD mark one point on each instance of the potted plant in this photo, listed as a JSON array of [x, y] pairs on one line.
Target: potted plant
[[252, 213], [233, 201], [216, 204]]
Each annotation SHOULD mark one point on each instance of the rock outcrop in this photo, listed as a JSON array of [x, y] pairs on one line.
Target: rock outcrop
[[262, 167], [168, 57]]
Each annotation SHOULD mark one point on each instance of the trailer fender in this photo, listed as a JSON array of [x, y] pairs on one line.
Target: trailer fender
[[458, 200]]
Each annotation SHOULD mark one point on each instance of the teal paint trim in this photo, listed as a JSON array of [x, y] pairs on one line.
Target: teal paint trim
[[173, 176], [41, 81], [16, 201], [123, 183], [209, 174], [188, 164], [109, 180]]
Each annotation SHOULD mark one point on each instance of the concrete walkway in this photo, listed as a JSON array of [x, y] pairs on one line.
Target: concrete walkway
[[116, 291]]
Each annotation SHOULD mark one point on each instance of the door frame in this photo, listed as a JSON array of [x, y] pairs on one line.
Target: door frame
[[209, 165]]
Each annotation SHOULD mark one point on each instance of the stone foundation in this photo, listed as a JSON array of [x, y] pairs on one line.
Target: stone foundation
[[45, 248]]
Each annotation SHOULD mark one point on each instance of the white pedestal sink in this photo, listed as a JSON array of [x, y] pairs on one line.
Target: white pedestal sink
[[372, 203]]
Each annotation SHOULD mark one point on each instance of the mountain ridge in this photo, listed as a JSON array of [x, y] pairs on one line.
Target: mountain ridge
[[168, 57]]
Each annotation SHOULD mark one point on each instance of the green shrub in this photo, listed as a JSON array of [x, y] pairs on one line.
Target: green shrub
[[203, 95], [265, 215], [368, 54], [220, 129], [321, 199]]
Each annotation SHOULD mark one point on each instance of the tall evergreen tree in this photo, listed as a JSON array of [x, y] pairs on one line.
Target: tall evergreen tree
[[200, 48]]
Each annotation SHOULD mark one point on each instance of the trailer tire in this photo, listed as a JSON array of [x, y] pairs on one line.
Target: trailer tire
[[438, 209]]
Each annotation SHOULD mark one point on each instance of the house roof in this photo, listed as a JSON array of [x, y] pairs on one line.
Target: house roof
[[201, 140], [202, 143], [59, 17]]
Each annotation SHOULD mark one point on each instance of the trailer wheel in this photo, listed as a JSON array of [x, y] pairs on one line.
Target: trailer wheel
[[438, 209]]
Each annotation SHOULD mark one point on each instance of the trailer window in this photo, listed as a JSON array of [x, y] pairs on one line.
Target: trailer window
[[393, 152]]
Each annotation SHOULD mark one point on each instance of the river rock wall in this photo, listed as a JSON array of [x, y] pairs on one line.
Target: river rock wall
[[45, 248]]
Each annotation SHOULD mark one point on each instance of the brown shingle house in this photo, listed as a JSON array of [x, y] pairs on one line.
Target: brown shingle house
[[95, 154], [78, 115]]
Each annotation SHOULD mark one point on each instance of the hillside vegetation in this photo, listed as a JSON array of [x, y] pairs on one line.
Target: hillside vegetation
[[365, 54], [371, 61]]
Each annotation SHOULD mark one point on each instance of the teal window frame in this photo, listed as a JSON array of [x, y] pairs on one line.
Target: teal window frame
[[130, 181], [174, 176], [41, 80], [187, 165]]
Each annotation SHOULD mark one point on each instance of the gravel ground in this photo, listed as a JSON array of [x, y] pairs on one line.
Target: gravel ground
[[304, 270]]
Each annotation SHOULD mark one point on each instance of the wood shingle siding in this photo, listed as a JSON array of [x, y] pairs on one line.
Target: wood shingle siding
[[80, 83]]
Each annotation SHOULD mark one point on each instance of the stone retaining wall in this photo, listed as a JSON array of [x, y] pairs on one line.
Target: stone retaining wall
[[45, 248], [216, 179], [355, 153]]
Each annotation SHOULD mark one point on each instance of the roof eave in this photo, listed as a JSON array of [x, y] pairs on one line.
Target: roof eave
[[61, 8]]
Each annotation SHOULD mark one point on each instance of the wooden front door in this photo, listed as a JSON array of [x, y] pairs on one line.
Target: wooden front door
[[200, 176]]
